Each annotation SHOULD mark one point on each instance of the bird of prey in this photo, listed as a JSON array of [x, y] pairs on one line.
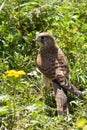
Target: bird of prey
[[52, 63]]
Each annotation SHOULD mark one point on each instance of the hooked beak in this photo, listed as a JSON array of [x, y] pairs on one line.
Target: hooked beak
[[37, 40]]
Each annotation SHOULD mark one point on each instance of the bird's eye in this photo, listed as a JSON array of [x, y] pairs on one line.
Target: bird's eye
[[42, 38]]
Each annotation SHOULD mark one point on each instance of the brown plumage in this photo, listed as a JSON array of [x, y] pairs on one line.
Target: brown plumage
[[52, 63]]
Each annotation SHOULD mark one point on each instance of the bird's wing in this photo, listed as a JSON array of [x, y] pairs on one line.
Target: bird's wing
[[62, 75], [62, 63]]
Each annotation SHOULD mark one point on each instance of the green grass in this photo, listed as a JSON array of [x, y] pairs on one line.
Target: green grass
[[23, 103]]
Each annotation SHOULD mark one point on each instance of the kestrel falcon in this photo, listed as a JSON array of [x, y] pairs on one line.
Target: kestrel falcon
[[52, 63]]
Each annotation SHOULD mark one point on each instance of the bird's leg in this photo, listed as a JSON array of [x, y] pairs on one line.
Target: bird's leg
[[61, 100], [65, 109]]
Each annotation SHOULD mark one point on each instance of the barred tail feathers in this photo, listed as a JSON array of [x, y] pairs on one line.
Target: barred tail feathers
[[66, 84]]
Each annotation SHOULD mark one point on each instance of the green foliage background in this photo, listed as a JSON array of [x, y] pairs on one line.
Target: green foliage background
[[22, 100]]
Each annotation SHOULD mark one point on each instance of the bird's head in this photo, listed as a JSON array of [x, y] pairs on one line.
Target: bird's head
[[45, 39]]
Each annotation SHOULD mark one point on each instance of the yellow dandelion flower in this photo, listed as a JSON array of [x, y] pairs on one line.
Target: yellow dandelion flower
[[21, 72], [81, 122], [16, 75], [10, 73]]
